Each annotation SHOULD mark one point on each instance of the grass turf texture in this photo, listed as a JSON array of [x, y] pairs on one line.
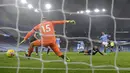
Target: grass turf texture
[[9, 65]]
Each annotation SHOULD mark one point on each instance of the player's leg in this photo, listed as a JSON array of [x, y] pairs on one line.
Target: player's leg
[[78, 49], [32, 44], [30, 41], [111, 47], [48, 50], [105, 49], [36, 49], [105, 45], [57, 51]]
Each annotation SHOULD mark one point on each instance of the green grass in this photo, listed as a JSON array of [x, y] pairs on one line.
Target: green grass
[[79, 63]]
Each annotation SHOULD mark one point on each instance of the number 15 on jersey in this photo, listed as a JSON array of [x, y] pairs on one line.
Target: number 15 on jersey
[[46, 28]]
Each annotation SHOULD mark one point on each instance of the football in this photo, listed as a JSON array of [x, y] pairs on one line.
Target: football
[[10, 53]]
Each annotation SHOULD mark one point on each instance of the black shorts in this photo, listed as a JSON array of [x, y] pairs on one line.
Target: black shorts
[[32, 39]]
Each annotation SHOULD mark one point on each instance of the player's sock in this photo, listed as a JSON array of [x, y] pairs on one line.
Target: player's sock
[[36, 49], [67, 59], [48, 51]]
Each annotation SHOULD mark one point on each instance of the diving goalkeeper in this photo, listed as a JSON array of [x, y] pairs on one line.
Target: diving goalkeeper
[[48, 38]]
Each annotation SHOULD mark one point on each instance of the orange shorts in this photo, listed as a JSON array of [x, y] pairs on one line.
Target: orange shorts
[[52, 45]]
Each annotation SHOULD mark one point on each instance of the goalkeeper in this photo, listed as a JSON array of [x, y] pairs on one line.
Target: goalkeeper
[[48, 38], [94, 51], [37, 36]]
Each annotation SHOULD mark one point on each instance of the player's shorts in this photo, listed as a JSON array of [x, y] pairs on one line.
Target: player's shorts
[[105, 44]]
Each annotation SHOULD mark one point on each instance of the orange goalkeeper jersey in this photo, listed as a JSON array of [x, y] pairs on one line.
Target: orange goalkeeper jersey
[[46, 29]]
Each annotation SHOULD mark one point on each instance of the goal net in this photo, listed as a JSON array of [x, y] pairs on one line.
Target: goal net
[[19, 16]]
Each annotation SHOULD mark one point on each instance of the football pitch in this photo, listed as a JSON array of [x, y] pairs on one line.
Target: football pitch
[[79, 63]]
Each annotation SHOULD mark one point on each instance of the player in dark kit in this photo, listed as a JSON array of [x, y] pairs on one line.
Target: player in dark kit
[[35, 37], [94, 51]]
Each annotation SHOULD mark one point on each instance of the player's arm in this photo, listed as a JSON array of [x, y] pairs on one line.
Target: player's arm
[[63, 22]]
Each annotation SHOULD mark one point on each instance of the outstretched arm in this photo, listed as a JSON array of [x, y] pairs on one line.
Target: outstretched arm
[[59, 22], [63, 21]]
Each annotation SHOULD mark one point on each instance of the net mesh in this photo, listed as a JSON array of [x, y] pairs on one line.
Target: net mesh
[[101, 67]]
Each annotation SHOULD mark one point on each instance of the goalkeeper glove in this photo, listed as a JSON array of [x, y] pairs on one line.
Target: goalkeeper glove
[[22, 42], [71, 21]]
